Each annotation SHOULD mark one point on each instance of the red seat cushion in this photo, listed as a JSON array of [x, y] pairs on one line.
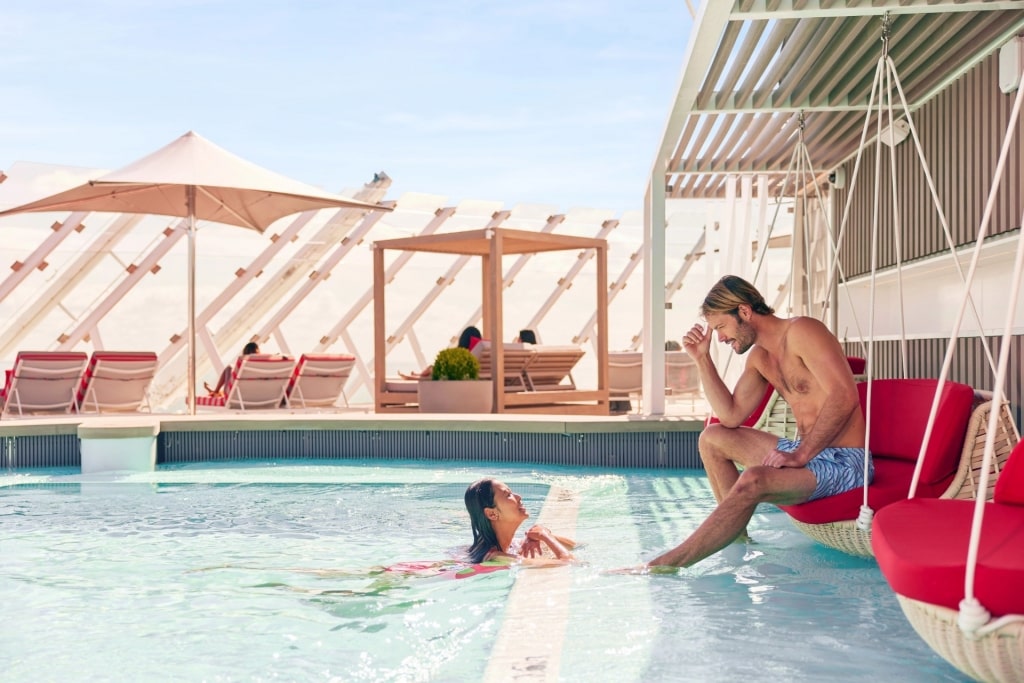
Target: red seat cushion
[[1010, 485], [899, 415], [891, 484], [921, 547]]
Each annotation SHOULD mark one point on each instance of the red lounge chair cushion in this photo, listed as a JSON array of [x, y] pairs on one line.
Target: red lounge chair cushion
[[215, 401], [921, 547], [1010, 485]]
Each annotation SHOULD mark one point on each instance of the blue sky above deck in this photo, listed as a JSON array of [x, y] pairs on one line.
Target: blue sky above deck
[[559, 103]]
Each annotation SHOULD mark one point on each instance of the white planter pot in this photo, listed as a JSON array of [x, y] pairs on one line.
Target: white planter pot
[[468, 396]]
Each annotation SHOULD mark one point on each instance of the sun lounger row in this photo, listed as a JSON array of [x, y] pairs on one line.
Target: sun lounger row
[[72, 381], [119, 381], [315, 380]]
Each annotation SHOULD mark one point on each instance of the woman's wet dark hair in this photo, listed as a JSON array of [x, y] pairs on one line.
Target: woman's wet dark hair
[[480, 495], [251, 347]]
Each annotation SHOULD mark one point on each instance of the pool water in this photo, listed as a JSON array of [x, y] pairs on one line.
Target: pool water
[[264, 571]]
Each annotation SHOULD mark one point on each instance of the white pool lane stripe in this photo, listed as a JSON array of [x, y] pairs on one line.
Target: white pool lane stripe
[[529, 644]]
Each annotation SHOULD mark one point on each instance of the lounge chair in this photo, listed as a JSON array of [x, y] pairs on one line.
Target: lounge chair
[[551, 368], [319, 379], [257, 381], [117, 381], [625, 379], [43, 381], [517, 359], [625, 375], [682, 380]]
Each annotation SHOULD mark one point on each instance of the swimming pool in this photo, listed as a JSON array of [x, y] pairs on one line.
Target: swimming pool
[[260, 571]]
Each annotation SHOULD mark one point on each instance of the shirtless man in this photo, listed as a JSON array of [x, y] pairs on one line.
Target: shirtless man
[[806, 364]]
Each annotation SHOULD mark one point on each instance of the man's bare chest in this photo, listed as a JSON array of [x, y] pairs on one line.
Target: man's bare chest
[[789, 376]]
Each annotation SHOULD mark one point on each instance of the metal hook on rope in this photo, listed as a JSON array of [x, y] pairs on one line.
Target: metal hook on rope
[[886, 32]]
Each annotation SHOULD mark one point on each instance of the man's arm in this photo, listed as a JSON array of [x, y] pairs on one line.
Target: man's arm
[[730, 407], [824, 358]]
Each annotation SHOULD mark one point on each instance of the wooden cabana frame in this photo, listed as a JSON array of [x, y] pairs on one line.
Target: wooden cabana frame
[[491, 244]]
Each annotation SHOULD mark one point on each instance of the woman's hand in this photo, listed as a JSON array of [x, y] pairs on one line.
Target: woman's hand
[[541, 534], [531, 548]]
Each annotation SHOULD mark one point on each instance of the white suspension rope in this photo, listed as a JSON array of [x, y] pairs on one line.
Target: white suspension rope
[[833, 258], [970, 608], [947, 359], [897, 232], [875, 84], [938, 208]]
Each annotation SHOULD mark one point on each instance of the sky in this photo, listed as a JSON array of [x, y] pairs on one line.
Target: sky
[[560, 103]]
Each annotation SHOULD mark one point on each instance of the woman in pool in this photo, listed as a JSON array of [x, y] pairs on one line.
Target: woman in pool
[[496, 512]]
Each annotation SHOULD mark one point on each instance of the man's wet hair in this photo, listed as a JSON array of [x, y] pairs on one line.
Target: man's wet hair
[[729, 293]]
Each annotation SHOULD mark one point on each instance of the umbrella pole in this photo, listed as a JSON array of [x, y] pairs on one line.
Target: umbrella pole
[[191, 397]]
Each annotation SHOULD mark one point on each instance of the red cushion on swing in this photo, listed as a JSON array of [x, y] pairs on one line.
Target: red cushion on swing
[[900, 409], [1010, 485], [921, 547], [891, 483]]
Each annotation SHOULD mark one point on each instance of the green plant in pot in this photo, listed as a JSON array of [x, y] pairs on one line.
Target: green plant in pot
[[455, 364], [457, 387]]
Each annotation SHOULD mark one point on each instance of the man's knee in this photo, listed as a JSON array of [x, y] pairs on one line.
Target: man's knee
[[711, 440], [752, 484]]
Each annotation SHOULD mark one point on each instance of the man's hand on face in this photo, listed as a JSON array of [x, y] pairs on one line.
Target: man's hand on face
[[697, 342]]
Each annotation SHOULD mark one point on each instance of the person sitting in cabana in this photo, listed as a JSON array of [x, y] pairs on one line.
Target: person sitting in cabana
[[802, 359]]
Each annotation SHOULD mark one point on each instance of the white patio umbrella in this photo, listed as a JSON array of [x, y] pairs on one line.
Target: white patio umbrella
[[195, 179]]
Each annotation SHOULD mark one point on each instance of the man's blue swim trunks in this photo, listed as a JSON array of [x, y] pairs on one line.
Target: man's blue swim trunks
[[837, 470]]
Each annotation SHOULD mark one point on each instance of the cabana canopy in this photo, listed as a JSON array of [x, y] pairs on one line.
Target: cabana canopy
[[491, 244]]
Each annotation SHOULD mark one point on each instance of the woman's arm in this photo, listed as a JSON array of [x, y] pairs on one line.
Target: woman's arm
[[558, 545]]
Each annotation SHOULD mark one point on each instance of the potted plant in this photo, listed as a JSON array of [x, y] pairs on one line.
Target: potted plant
[[454, 385]]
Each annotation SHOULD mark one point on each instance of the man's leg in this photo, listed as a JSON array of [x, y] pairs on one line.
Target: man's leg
[[721, 448], [757, 484]]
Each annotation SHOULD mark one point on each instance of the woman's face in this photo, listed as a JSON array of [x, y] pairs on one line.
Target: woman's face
[[508, 505]]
